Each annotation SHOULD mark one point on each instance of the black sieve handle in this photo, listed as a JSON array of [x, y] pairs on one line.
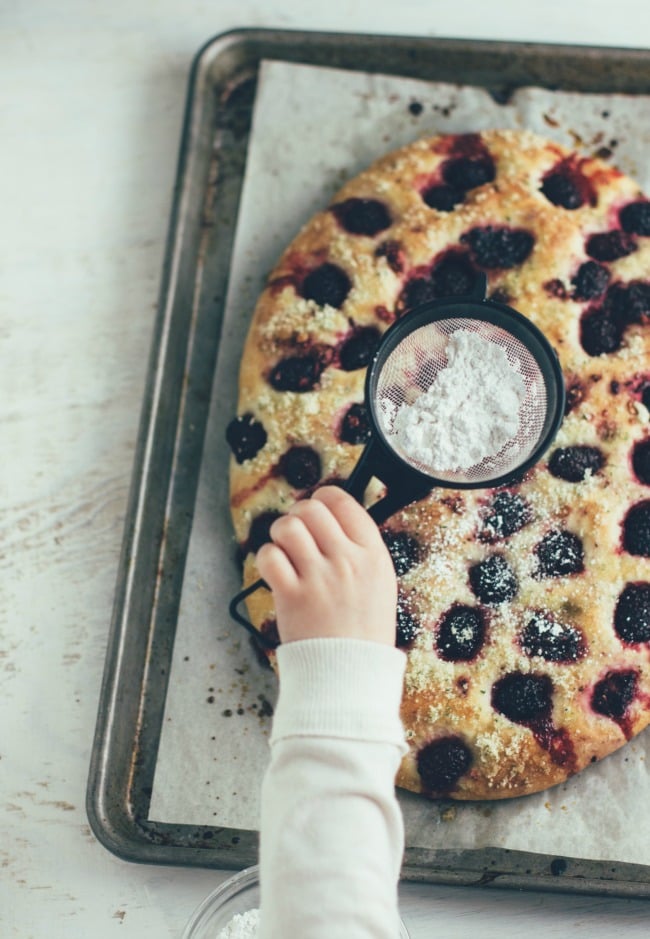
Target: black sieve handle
[[239, 618], [403, 484]]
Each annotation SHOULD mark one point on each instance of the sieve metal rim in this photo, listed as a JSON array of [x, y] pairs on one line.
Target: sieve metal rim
[[496, 314]]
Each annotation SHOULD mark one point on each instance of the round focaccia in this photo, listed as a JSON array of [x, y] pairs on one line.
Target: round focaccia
[[524, 610]]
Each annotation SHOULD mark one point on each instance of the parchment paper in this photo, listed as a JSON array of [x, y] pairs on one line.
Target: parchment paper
[[313, 128]]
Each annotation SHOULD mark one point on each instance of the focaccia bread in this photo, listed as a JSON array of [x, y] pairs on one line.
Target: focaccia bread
[[524, 610]]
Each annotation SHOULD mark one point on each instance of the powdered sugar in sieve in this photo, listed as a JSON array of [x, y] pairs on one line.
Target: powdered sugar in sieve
[[461, 400]]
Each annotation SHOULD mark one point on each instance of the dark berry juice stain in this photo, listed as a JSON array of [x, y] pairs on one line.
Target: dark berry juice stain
[[355, 426], [460, 634], [405, 550], [300, 466], [442, 763], [574, 463], [498, 246], [362, 216], [575, 394], [632, 613], [493, 581], [507, 513], [612, 697], [394, 253], [245, 436], [559, 554], [566, 186], [552, 640], [527, 699], [636, 530], [556, 288]]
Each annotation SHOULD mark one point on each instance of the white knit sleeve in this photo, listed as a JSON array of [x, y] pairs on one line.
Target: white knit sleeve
[[332, 834]]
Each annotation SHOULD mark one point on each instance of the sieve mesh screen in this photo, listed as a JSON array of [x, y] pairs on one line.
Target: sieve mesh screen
[[413, 367]]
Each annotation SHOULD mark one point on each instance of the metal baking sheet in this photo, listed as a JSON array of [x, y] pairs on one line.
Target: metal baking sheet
[[195, 276]]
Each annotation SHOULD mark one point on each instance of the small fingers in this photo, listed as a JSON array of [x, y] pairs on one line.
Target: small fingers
[[350, 515], [275, 567], [322, 525], [295, 539]]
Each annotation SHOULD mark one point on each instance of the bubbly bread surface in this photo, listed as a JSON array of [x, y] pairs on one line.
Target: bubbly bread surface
[[524, 610]]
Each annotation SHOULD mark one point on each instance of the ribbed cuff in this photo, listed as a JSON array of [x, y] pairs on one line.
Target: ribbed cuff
[[346, 688]]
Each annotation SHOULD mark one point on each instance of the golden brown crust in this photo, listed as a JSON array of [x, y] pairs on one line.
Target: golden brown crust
[[455, 700]]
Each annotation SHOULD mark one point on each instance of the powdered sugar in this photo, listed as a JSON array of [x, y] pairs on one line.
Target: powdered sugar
[[469, 413], [241, 926]]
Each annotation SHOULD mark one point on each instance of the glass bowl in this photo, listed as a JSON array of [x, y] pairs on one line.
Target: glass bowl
[[235, 895]]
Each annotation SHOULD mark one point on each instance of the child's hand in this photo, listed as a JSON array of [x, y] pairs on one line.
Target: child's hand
[[330, 571]]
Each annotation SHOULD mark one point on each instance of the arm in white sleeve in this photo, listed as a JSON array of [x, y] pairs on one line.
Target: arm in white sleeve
[[332, 834]]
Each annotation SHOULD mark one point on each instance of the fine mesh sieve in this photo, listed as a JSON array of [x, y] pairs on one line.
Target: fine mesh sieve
[[411, 357], [410, 373]]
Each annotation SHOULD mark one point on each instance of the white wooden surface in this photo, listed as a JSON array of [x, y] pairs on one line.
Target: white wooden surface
[[91, 101]]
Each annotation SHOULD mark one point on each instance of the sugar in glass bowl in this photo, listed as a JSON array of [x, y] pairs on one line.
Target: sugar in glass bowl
[[235, 895]]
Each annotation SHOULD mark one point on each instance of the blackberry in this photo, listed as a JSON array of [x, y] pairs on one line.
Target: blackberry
[[415, 291], [461, 634], [464, 173], [493, 581], [563, 190], [259, 531], [635, 217], [327, 285], [559, 554], [499, 246], [355, 426], [553, 641], [610, 245], [301, 467], [442, 197], [245, 436], [357, 351], [574, 463], [507, 513], [614, 693], [600, 333], [362, 216], [636, 530], [523, 698], [590, 281], [641, 461], [405, 550], [407, 626], [453, 275], [629, 303], [297, 372], [442, 762], [632, 613]]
